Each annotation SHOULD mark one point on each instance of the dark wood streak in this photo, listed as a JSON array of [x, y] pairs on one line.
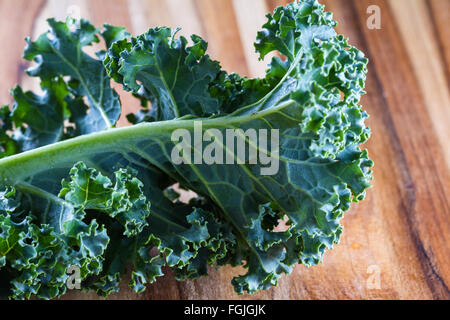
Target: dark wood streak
[[180, 289], [435, 282]]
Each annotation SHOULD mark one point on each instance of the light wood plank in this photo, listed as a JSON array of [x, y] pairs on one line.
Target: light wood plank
[[17, 19], [250, 16], [423, 176], [413, 22], [440, 17], [220, 25], [154, 13]]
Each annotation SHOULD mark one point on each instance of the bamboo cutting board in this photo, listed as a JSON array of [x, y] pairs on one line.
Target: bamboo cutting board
[[396, 243]]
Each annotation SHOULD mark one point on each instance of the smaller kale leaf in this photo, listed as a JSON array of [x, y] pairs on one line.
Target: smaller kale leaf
[[173, 76], [60, 53]]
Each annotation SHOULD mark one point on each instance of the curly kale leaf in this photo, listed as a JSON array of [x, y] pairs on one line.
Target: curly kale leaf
[[60, 53], [69, 78], [35, 256], [117, 211], [174, 76], [93, 226]]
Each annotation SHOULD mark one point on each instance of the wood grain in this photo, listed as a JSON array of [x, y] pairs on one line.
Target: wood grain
[[402, 229]]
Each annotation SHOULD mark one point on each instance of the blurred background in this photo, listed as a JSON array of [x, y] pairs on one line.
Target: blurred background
[[396, 242]]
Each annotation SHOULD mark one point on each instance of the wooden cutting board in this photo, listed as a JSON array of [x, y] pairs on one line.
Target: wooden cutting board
[[396, 243]]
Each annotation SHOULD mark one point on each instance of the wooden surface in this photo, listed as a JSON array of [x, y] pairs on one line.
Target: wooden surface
[[401, 232]]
